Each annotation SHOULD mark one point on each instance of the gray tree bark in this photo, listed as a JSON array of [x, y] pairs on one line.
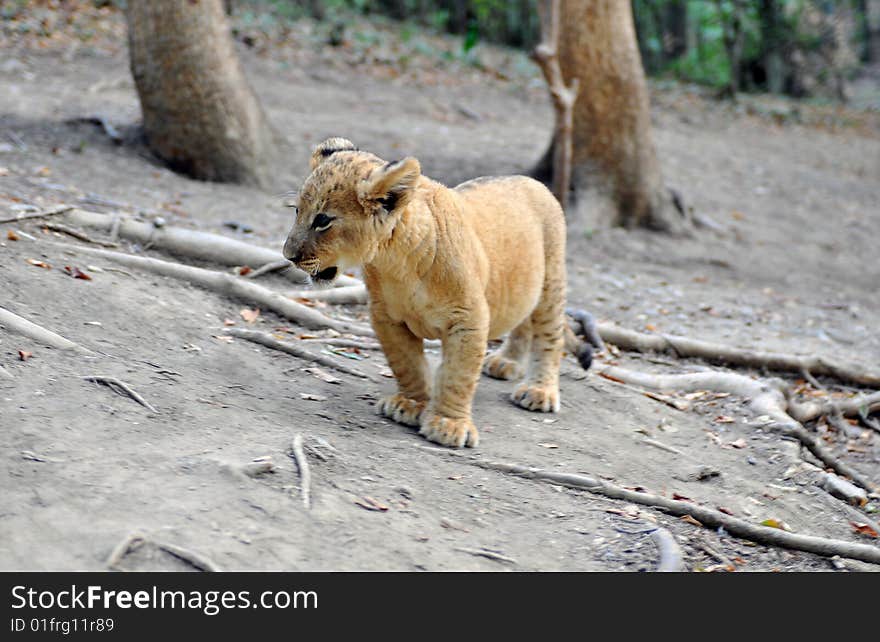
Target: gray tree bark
[[200, 115]]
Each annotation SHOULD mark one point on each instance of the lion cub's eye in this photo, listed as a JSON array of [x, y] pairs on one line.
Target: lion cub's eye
[[322, 222]]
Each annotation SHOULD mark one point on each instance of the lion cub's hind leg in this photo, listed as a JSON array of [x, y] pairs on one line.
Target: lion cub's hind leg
[[540, 392], [508, 362]]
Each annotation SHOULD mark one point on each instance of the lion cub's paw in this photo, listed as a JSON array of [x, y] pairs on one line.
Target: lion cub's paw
[[537, 398], [449, 432], [402, 409], [499, 367]]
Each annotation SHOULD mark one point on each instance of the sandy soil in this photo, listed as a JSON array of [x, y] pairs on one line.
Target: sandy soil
[[793, 268]]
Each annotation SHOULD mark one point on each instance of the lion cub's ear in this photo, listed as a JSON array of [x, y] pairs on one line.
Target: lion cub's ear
[[329, 147], [391, 185]]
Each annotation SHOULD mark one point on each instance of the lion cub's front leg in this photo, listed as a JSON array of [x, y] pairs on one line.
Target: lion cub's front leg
[[448, 420], [405, 354]]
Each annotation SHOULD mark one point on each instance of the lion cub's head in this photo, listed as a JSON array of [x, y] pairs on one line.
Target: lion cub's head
[[347, 206]]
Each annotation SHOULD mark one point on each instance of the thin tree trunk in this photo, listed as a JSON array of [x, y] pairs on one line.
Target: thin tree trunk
[[772, 38], [616, 176], [200, 114]]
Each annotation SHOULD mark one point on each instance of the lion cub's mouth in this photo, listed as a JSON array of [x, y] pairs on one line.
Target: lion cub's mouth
[[326, 275]]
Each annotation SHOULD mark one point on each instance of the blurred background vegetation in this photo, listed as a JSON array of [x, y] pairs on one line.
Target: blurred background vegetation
[[799, 48], [794, 47]]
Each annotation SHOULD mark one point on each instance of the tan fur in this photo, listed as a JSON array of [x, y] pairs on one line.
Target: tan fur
[[462, 265]]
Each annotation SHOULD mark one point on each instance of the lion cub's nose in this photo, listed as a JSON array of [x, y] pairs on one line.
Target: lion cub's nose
[[291, 254]]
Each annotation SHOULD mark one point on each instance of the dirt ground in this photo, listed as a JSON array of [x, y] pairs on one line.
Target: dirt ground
[[795, 194]]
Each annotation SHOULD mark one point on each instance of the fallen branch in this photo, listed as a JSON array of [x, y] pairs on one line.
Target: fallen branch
[[706, 516], [304, 474], [121, 388], [492, 555], [214, 248], [190, 557], [231, 285], [270, 342], [61, 209], [764, 399], [671, 560], [721, 354], [346, 295], [38, 333], [131, 542], [82, 236]]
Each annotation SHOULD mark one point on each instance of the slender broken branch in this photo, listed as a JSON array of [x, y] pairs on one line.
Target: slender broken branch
[[270, 342], [563, 96], [61, 209], [82, 236], [120, 387]]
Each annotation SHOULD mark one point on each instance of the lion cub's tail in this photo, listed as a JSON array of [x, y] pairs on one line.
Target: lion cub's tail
[[582, 337]]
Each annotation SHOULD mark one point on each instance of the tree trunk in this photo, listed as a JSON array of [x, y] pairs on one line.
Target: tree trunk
[[675, 32], [616, 179], [734, 40], [772, 44], [200, 114]]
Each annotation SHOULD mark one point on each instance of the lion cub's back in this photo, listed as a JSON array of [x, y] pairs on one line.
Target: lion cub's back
[[512, 207]]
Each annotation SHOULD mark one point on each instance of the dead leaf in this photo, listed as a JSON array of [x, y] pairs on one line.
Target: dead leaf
[[724, 419], [864, 529], [24, 355], [228, 322], [323, 375], [310, 397], [39, 264], [739, 443], [244, 269], [222, 337], [455, 477], [549, 445], [76, 273], [776, 523], [371, 504], [12, 236], [726, 511], [690, 520], [681, 497], [250, 316]]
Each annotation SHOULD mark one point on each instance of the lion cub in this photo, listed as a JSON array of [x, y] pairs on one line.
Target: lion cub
[[462, 265]]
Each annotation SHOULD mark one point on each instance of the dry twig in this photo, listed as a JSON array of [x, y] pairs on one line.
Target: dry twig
[[305, 474], [270, 342], [120, 387], [82, 236], [61, 209]]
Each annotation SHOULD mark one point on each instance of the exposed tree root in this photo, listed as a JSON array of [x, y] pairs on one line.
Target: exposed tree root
[[718, 353], [274, 266], [706, 516], [344, 343], [305, 474], [860, 406], [764, 399], [234, 286], [121, 388], [671, 560], [214, 248], [38, 333], [270, 342]]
